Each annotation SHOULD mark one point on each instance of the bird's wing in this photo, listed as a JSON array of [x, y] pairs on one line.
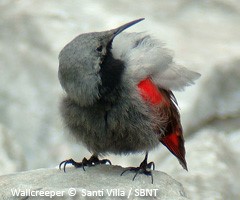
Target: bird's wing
[[145, 56], [175, 77], [165, 103]]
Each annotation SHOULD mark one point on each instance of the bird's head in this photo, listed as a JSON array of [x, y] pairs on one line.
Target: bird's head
[[85, 64]]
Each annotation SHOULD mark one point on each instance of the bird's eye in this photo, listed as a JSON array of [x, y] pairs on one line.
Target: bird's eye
[[99, 49]]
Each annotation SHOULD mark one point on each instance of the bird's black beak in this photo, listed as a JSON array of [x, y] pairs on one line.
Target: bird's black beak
[[111, 34], [125, 26]]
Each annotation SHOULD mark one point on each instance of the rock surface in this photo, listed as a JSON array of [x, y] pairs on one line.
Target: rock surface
[[100, 182]]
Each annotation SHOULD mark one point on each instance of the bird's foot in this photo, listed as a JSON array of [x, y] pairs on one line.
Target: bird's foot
[[144, 168], [85, 162]]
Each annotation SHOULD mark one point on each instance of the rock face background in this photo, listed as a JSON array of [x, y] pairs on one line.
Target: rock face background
[[204, 36]]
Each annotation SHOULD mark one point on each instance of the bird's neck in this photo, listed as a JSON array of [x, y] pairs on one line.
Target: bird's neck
[[111, 74]]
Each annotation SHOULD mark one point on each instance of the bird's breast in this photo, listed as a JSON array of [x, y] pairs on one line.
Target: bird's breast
[[122, 127]]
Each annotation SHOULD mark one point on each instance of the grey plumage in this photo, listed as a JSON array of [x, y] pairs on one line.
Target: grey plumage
[[115, 119]]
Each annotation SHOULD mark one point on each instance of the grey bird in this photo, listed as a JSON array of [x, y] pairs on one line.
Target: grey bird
[[119, 95]]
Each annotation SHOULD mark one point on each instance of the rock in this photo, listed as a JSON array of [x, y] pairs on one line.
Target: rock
[[102, 181]]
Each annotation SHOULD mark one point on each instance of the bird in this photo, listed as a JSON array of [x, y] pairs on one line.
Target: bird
[[118, 96]]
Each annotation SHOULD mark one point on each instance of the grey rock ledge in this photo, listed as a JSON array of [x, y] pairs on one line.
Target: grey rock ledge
[[101, 181]]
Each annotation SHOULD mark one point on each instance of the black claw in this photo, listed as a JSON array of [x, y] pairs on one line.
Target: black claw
[[128, 169], [85, 162], [137, 172], [60, 165], [144, 168], [69, 161], [151, 165], [64, 166], [105, 161]]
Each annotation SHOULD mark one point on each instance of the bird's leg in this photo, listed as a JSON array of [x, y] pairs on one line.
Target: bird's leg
[[144, 168], [92, 161]]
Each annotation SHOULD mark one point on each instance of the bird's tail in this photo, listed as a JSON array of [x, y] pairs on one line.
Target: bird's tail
[[173, 138]]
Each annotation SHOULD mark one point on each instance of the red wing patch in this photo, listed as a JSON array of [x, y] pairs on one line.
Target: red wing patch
[[173, 138], [150, 92], [175, 144]]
